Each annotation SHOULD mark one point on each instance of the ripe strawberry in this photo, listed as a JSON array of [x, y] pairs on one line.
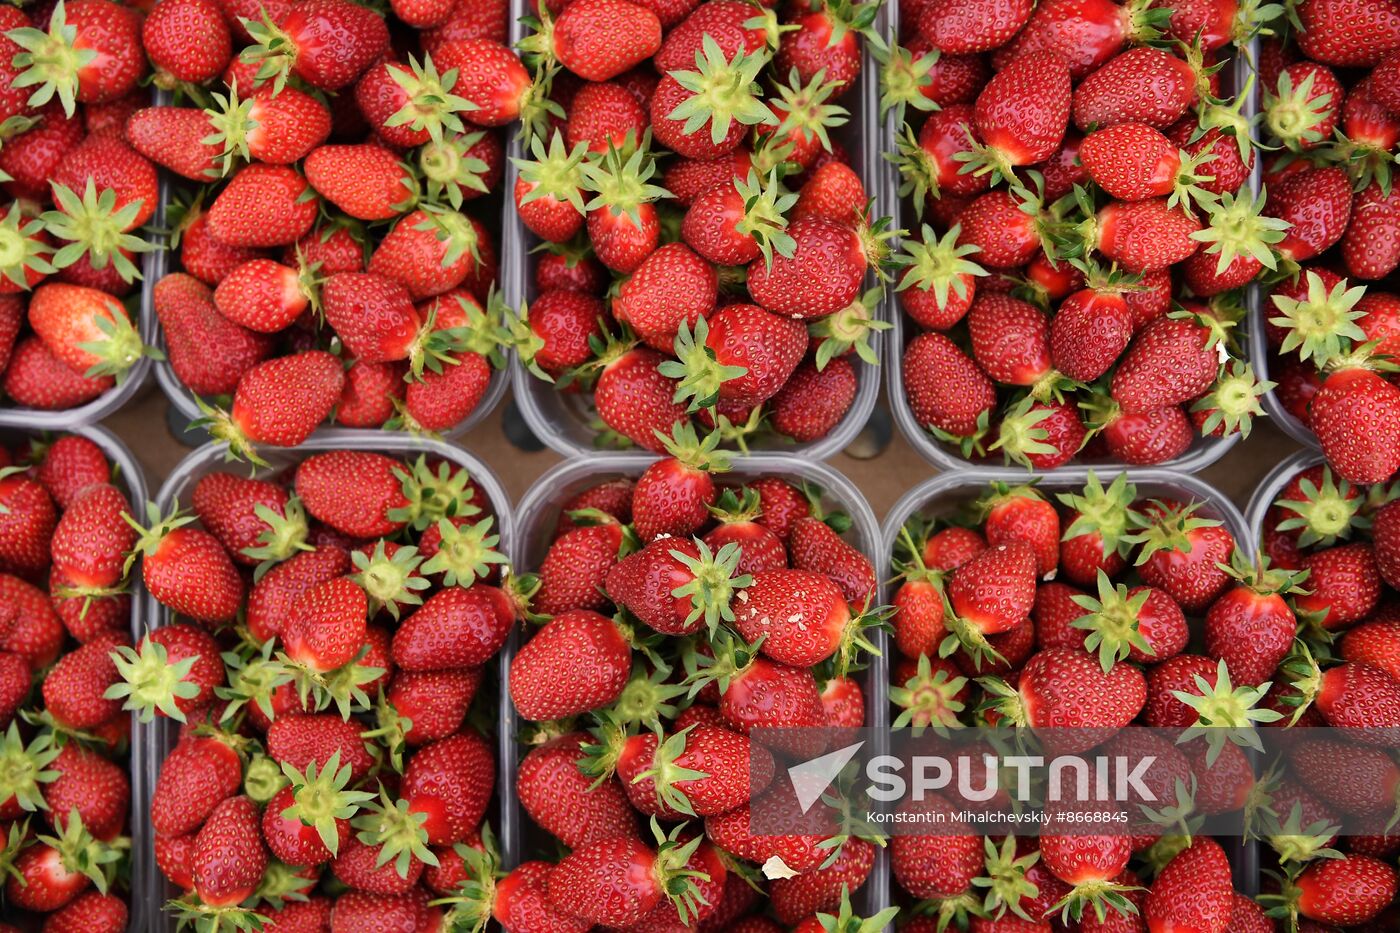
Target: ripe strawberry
[[1348, 891], [1141, 85], [947, 391], [430, 252], [326, 43], [1193, 890], [1084, 34], [1145, 236], [450, 782], [173, 671], [814, 400], [677, 586], [1182, 554], [635, 399], [185, 568], [55, 870], [1171, 361], [264, 296], [1251, 626], [585, 39], [68, 465], [1065, 687], [262, 205], [86, 328], [1021, 114], [29, 521], [1316, 202], [802, 616], [637, 877], [565, 802], [75, 689], [191, 324], [936, 866], [816, 547], [365, 181], [89, 912], [562, 323], [822, 276], [1343, 585], [700, 770], [991, 593], [548, 189], [110, 31], [298, 740], [229, 856], [547, 680], [1354, 415], [1347, 32], [673, 495], [960, 29], [824, 41], [278, 402], [1005, 226], [34, 632], [87, 784], [672, 287], [456, 627], [382, 485], [327, 627], [187, 41], [195, 777]]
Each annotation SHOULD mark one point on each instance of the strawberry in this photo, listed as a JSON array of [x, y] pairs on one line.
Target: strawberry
[[298, 740], [264, 296], [450, 782], [960, 29], [382, 486], [429, 251], [562, 323], [185, 568], [1350, 890], [673, 495], [327, 626], [548, 189], [90, 53], [173, 671], [229, 856], [721, 91], [326, 43], [1065, 687], [1354, 415], [195, 777], [585, 39], [1005, 226], [1343, 585], [89, 912], [660, 772], [1193, 890], [825, 41], [456, 627], [677, 586], [635, 399], [565, 802], [621, 217], [365, 181], [938, 284], [85, 328], [262, 205], [547, 681], [435, 702], [68, 465], [936, 866], [1251, 626], [75, 689], [55, 870], [174, 137], [29, 520], [1142, 85], [1304, 110], [88, 785], [1085, 34], [1347, 32], [1172, 360], [190, 321], [947, 392], [802, 617], [636, 876], [253, 519], [814, 400], [815, 546], [187, 41], [1144, 236], [1021, 114], [1316, 202], [991, 593], [671, 288], [278, 402], [758, 692], [822, 276]]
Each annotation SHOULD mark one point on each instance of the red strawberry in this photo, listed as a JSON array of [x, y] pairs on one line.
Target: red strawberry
[[1343, 585], [567, 803], [1316, 202], [365, 181], [635, 399], [802, 617], [262, 205], [326, 43], [263, 295], [673, 495], [658, 772], [191, 324], [381, 483], [229, 856], [53, 871], [1356, 416], [1182, 553], [585, 38], [89, 912], [327, 627], [451, 782], [455, 627], [816, 547], [75, 690], [1085, 33], [187, 40], [947, 392], [1065, 687], [87, 784], [278, 402], [991, 593], [822, 276], [110, 31], [195, 777], [174, 671], [672, 287], [1348, 32], [1022, 113], [1346, 891], [636, 876], [29, 521], [814, 401], [1141, 85], [1145, 236], [940, 866], [562, 323], [186, 569], [961, 28], [1193, 891], [648, 582], [1171, 361], [87, 329], [547, 680]]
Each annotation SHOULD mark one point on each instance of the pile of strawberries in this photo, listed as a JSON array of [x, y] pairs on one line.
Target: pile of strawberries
[[1331, 106], [708, 243], [76, 195], [1095, 608], [1079, 226], [678, 615], [64, 792], [1341, 544], [333, 253], [320, 653]]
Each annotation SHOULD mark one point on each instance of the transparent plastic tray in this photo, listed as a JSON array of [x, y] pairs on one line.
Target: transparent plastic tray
[[945, 494], [1271, 486], [535, 519], [163, 262], [129, 477], [151, 742], [561, 420], [1203, 451]]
